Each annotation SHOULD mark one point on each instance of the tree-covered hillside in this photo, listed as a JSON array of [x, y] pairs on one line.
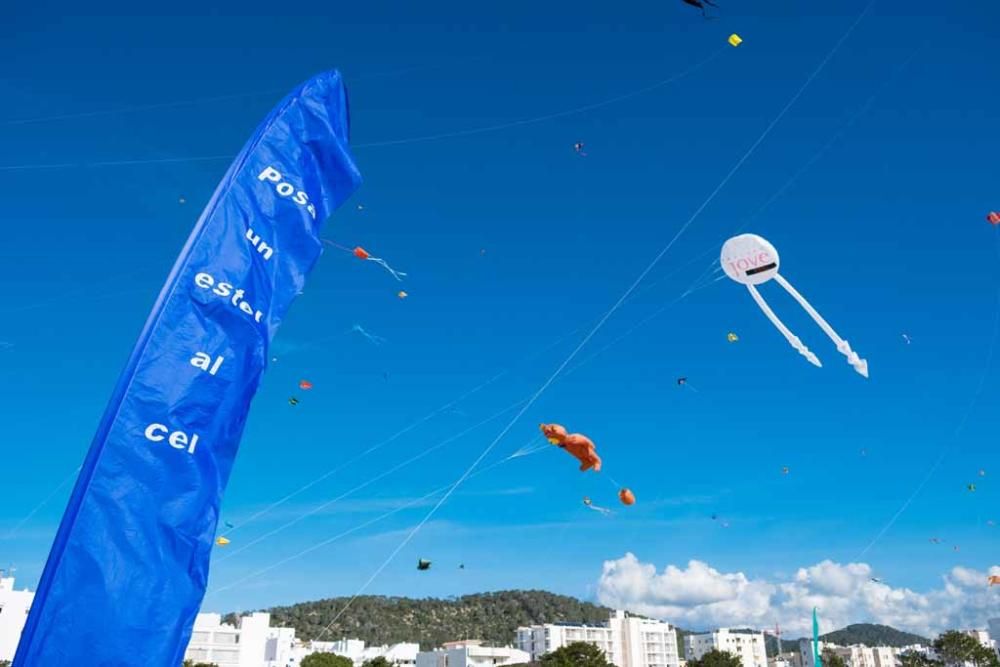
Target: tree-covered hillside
[[492, 617]]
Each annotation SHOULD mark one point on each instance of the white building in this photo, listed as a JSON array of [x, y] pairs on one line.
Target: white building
[[858, 655], [402, 655], [626, 641], [981, 636], [471, 654], [747, 646], [253, 643], [14, 606], [885, 656], [806, 651], [994, 628]]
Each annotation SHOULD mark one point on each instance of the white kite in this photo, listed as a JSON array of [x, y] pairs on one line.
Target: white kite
[[750, 260]]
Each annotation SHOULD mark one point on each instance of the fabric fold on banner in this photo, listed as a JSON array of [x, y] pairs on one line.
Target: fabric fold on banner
[[128, 568]]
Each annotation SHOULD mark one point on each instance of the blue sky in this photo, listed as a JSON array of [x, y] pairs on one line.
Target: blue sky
[[884, 233]]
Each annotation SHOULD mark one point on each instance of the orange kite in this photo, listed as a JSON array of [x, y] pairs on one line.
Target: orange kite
[[580, 446]]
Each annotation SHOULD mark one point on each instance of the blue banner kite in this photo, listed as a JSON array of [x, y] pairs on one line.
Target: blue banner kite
[[129, 565]]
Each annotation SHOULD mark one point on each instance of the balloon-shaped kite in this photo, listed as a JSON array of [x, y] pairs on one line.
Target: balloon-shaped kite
[[580, 446], [627, 497], [750, 260]]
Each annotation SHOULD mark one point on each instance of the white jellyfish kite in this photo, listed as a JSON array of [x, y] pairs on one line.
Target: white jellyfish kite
[[750, 260]]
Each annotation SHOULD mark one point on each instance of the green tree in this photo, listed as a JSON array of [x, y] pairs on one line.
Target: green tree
[[831, 659], [957, 648], [192, 663], [577, 654], [4, 663], [377, 662], [716, 658], [916, 659], [326, 660]]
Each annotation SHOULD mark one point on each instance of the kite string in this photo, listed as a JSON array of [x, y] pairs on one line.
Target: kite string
[[365, 524], [525, 450], [395, 436], [382, 475], [395, 142], [953, 440], [614, 308], [13, 531]]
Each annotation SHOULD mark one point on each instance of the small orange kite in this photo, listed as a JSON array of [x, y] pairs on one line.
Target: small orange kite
[[580, 446], [626, 496]]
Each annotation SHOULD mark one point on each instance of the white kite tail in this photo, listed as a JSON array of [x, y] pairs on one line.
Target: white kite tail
[[398, 275], [859, 364], [785, 331]]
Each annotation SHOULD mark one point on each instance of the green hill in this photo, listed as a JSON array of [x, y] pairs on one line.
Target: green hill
[[871, 634], [868, 634], [492, 617]]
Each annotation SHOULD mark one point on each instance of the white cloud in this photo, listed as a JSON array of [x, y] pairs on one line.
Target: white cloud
[[699, 597]]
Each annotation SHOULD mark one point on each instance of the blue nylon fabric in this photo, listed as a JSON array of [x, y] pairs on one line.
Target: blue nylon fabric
[[129, 565]]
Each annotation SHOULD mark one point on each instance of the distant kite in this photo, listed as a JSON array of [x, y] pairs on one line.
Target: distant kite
[[363, 254], [293, 401], [375, 340], [423, 564], [731, 337], [305, 385], [735, 40], [221, 541], [590, 505], [750, 260], [578, 149], [626, 496], [993, 218], [401, 294]]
